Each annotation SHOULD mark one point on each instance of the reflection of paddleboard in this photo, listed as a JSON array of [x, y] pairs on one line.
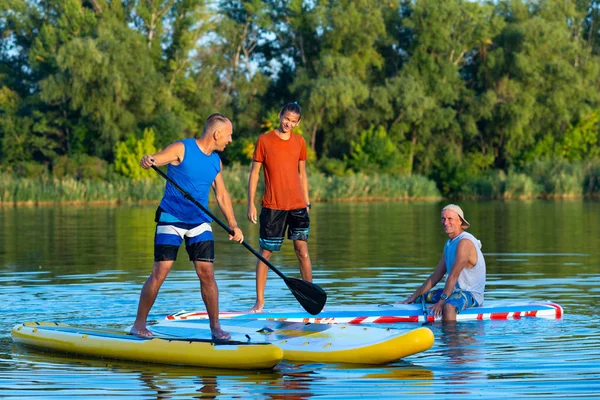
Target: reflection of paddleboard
[[200, 351], [314, 342], [389, 314], [48, 362], [401, 371], [402, 374]]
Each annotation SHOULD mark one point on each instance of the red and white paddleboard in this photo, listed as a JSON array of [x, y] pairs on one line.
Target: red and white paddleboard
[[390, 314]]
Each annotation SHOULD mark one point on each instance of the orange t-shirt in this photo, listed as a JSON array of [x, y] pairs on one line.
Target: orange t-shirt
[[280, 159]]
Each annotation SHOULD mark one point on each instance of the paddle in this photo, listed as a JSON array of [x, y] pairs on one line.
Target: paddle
[[310, 296], [424, 308]]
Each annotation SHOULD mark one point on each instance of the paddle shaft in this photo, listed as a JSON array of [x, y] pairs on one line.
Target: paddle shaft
[[424, 308], [218, 221]]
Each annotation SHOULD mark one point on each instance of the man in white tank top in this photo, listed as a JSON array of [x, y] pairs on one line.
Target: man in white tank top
[[464, 266]]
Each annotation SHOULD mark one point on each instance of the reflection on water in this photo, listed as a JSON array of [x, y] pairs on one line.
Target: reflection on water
[[86, 265], [460, 343], [287, 381], [128, 378]]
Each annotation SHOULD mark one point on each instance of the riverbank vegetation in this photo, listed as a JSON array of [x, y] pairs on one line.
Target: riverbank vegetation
[[428, 99], [539, 180]]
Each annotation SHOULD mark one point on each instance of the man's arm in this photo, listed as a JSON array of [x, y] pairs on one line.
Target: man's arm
[[303, 180], [172, 154], [430, 282], [463, 253], [224, 202], [252, 185]]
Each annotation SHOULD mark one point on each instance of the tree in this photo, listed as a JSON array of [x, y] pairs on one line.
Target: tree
[[373, 151], [335, 83], [427, 95], [129, 152], [538, 79]]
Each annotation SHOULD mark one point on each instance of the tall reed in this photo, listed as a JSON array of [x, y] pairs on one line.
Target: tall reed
[[540, 179]]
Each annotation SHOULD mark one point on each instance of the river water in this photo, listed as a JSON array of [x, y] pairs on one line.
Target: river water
[[85, 266]]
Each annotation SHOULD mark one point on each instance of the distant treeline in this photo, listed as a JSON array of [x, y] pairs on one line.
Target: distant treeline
[[400, 98], [544, 180]]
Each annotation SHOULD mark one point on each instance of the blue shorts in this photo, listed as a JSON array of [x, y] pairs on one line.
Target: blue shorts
[[171, 232], [460, 299]]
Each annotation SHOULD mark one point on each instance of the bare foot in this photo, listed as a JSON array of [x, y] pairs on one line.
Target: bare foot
[[140, 331], [258, 308], [220, 334]]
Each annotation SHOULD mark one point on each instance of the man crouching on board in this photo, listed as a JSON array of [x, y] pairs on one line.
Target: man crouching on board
[[195, 166], [464, 265]]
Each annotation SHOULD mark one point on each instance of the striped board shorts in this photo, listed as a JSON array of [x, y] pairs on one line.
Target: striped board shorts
[[460, 299], [171, 232], [274, 223]]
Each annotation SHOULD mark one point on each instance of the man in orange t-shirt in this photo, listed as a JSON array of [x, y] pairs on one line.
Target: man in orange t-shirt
[[285, 203]]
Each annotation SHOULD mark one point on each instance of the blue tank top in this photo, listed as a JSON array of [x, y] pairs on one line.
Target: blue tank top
[[470, 279], [195, 175]]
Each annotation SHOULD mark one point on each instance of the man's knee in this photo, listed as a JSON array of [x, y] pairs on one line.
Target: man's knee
[[449, 312], [204, 270], [160, 270], [266, 253], [301, 248], [302, 253]]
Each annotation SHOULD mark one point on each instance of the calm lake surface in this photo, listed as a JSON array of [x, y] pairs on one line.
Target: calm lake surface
[[86, 265]]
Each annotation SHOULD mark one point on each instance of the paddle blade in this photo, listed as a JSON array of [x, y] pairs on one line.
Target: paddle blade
[[310, 296]]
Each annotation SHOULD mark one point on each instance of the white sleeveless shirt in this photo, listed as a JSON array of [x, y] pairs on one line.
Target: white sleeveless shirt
[[470, 279]]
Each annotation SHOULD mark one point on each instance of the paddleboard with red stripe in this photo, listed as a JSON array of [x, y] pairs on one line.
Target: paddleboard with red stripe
[[391, 314]]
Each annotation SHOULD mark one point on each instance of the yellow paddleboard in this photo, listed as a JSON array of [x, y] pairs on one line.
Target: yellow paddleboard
[[309, 342], [200, 351]]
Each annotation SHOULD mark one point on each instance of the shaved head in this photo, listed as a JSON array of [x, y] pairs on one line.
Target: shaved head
[[215, 122]]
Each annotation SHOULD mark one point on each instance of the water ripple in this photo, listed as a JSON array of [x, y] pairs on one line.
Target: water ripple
[[77, 281]]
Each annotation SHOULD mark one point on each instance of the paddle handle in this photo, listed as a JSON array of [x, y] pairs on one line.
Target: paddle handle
[[218, 221]]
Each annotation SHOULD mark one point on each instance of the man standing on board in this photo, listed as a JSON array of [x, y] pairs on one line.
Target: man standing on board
[[285, 203], [464, 265], [195, 166]]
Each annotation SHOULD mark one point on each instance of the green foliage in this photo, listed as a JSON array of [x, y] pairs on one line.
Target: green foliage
[[333, 167], [80, 166], [373, 151], [537, 81], [45, 189], [332, 79], [128, 154], [168, 128], [370, 187], [539, 179], [520, 186], [558, 177], [240, 150], [468, 94], [582, 141], [236, 180], [20, 136], [591, 180], [27, 169]]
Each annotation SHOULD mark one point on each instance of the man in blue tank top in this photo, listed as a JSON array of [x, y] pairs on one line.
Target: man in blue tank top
[[464, 265], [193, 165]]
